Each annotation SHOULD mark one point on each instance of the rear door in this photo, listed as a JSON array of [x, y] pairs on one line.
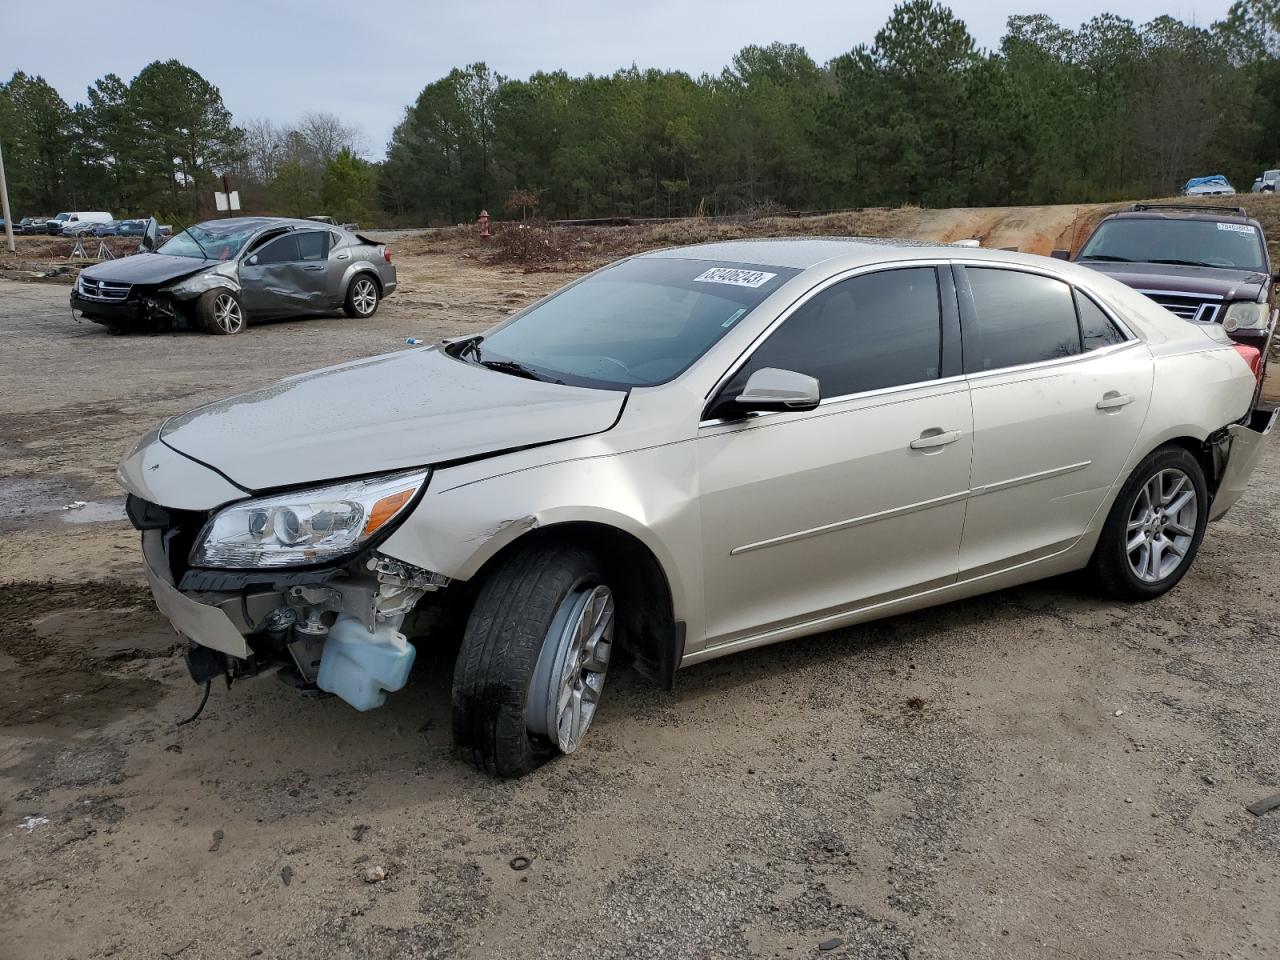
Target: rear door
[[287, 275], [1060, 392]]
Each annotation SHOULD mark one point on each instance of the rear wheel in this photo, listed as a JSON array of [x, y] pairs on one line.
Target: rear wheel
[[219, 312], [362, 298], [1155, 527], [533, 660]]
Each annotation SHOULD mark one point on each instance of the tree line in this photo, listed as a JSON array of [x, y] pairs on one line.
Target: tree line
[[919, 115], [159, 143]]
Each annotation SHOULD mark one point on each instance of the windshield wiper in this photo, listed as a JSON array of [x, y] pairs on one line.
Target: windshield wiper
[[1183, 263], [1107, 257], [517, 369]]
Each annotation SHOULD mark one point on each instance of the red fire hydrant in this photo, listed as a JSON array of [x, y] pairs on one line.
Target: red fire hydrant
[[484, 225]]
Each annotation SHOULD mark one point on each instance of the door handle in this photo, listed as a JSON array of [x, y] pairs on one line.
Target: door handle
[[934, 437], [313, 266], [1114, 400]]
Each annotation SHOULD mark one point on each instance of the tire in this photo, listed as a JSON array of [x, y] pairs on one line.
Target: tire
[[1149, 570], [219, 312], [518, 635], [363, 297]]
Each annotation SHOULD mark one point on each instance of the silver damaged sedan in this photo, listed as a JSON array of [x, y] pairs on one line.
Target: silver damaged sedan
[[220, 275], [686, 454]]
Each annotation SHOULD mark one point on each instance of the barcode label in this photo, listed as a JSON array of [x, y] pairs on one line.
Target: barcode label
[[739, 278]]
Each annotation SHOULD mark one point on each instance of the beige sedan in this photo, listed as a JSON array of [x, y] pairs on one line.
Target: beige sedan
[[686, 454]]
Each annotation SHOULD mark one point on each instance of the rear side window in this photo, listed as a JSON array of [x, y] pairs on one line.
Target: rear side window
[[867, 333], [281, 250], [313, 245], [1096, 328], [1018, 318]]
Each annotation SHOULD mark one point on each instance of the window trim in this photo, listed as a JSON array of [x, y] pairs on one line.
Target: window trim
[[944, 332]]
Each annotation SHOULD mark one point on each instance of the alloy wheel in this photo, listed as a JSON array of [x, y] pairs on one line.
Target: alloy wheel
[[1162, 525], [364, 296], [227, 314], [569, 676]]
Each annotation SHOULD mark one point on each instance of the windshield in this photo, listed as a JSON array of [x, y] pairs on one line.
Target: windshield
[[1205, 243], [638, 323], [62, 216], [208, 241]]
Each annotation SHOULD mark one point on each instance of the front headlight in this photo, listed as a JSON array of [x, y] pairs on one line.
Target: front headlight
[[1245, 316], [305, 526]]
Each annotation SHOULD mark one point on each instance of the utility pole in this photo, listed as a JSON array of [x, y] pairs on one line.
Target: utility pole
[[4, 204]]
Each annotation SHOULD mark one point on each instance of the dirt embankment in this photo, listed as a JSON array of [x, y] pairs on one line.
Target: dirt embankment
[[1038, 229]]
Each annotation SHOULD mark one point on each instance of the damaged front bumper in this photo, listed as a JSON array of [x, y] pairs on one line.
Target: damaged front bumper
[[140, 311], [338, 630]]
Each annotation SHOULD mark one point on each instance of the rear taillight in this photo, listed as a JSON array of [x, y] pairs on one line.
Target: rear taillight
[[1252, 356], [386, 254]]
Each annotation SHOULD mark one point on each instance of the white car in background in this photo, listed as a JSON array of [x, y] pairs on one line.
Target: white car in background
[[686, 454]]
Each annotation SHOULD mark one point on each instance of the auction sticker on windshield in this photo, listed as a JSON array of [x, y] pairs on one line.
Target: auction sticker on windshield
[[739, 278], [1237, 227]]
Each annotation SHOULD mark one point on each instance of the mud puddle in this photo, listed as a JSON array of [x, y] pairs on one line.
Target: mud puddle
[[69, 654], [26, 500]]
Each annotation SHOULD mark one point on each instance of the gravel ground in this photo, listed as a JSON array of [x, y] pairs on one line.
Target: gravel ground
[[1036, 773]]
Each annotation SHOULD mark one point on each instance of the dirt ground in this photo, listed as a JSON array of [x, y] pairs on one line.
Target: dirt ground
[[1038, 773]]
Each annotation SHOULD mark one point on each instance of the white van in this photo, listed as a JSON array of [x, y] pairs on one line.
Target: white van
[[66, 222]]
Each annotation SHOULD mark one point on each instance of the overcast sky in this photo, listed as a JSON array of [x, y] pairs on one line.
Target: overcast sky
[[366, 61]]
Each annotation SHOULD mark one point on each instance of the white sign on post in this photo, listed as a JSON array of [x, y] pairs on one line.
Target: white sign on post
[[225, 202]]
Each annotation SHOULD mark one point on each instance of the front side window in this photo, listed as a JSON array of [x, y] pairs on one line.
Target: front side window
[[638, 323], [870, 332], [1018, 318]]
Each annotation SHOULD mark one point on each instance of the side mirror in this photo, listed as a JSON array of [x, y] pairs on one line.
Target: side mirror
[[1061, 254], [770, 389], [252, 260]]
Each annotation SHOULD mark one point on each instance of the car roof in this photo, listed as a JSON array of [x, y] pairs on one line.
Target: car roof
[[1189, 212], [259, 223], [805, 252]]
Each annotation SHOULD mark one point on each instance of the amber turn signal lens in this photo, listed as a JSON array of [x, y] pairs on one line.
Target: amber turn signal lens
[[386, 508]]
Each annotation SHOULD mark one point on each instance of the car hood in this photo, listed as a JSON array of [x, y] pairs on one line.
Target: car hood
[[148, 268], [1188, 281], [407, 409]]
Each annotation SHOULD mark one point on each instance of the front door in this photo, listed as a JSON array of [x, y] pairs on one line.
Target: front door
[[287, 275], [807, 516]]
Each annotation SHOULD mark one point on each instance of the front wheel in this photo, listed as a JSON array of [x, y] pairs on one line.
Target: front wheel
[[219, 312], [1155, 527], [362, 298], [533, 660]]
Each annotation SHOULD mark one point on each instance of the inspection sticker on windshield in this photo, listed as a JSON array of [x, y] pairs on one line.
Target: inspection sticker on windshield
[[1238, 227], [739, 278]]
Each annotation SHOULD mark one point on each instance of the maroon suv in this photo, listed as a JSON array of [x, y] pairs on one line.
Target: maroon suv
[[1205, 264]]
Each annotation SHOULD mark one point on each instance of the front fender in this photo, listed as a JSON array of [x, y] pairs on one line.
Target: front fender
[[202, 283], [649, 494]]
